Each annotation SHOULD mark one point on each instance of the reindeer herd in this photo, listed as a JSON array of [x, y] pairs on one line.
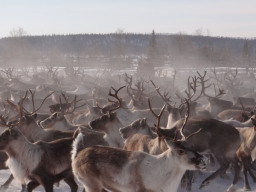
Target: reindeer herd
[[133, 138]]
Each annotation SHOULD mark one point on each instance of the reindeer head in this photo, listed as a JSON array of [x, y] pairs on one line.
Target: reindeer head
[[190, 159], [7, 136], [138, 126], [114, 105], [52, 119], [24, 121], [104, 122]]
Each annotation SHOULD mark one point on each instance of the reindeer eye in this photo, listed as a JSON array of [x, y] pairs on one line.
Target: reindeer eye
[[181, 152]]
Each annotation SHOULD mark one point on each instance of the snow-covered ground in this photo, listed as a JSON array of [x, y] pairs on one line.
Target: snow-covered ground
[[217, 185]]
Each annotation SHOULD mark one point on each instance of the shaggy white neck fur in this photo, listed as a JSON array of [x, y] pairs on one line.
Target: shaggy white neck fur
[[27, 157]]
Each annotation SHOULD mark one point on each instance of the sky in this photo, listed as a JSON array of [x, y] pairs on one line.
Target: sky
[[228, 18]]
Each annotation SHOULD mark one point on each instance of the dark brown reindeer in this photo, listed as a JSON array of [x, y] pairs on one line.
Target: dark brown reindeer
[[228, 141], [217, 138], [38, 163], [105, 168]]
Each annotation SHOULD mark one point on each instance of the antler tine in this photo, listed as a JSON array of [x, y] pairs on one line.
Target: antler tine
[[183, 137], [128, 79], [93, 97], [129, 93], [60, 103], [32, 98], [34, 111], [140, 88], [192, 85], [13, 105], [241, 103], [3, 121], [157, 116], [185, 121], [150, 107], [203, 81], [20, 104], [165, 96], [115, 96], [75, 101], [64, 96]]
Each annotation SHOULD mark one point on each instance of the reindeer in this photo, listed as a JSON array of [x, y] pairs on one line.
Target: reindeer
[[109, 124], [205, 142], [137, 95], [246, 152], [101, 168], [126, 116], [38, 163], [140, 137], [58, 120], [139, 126]]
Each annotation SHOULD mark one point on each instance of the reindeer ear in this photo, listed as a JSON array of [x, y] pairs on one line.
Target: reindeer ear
[[34, 116], [169, 108], [76, 133], [143, 121], [13, 132], [253, 122], [90, 108], [169, 143], [112, 115]]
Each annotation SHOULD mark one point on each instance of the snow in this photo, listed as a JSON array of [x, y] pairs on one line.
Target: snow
[[217, 185]]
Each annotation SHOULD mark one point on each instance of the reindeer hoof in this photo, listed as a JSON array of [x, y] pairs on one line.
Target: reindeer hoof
[[3, 187], [232, 188], [247, 188], [205, 183]]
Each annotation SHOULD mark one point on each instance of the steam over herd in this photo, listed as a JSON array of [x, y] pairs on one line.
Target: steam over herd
[[121, 132]]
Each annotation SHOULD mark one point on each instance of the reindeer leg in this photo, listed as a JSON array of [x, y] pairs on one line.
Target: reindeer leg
[[24, 188], [237, 167], [32, 185], [246, 183], [7, 183], [72, 184], [221, 170], [249, 168]]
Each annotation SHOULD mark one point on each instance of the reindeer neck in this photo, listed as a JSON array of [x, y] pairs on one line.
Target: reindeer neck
[[172, 118], [168, 172], [64, 125], [247, 123], [33, 132], [23, 158], [113, 136], [20, 147]]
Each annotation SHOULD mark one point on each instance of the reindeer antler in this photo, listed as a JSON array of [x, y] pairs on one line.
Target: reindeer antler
[[3, 120], [157, 116], [183, 137], [165, 97], [33, 102], [116, 97]]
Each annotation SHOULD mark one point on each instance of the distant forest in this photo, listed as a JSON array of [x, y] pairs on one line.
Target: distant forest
[[126, 50]]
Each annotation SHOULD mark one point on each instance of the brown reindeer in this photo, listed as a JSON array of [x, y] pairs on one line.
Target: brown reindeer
[[246, 152], [105, 168], [39, 163]]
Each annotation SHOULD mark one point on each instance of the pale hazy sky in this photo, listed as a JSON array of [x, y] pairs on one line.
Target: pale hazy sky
[[232, 18]]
